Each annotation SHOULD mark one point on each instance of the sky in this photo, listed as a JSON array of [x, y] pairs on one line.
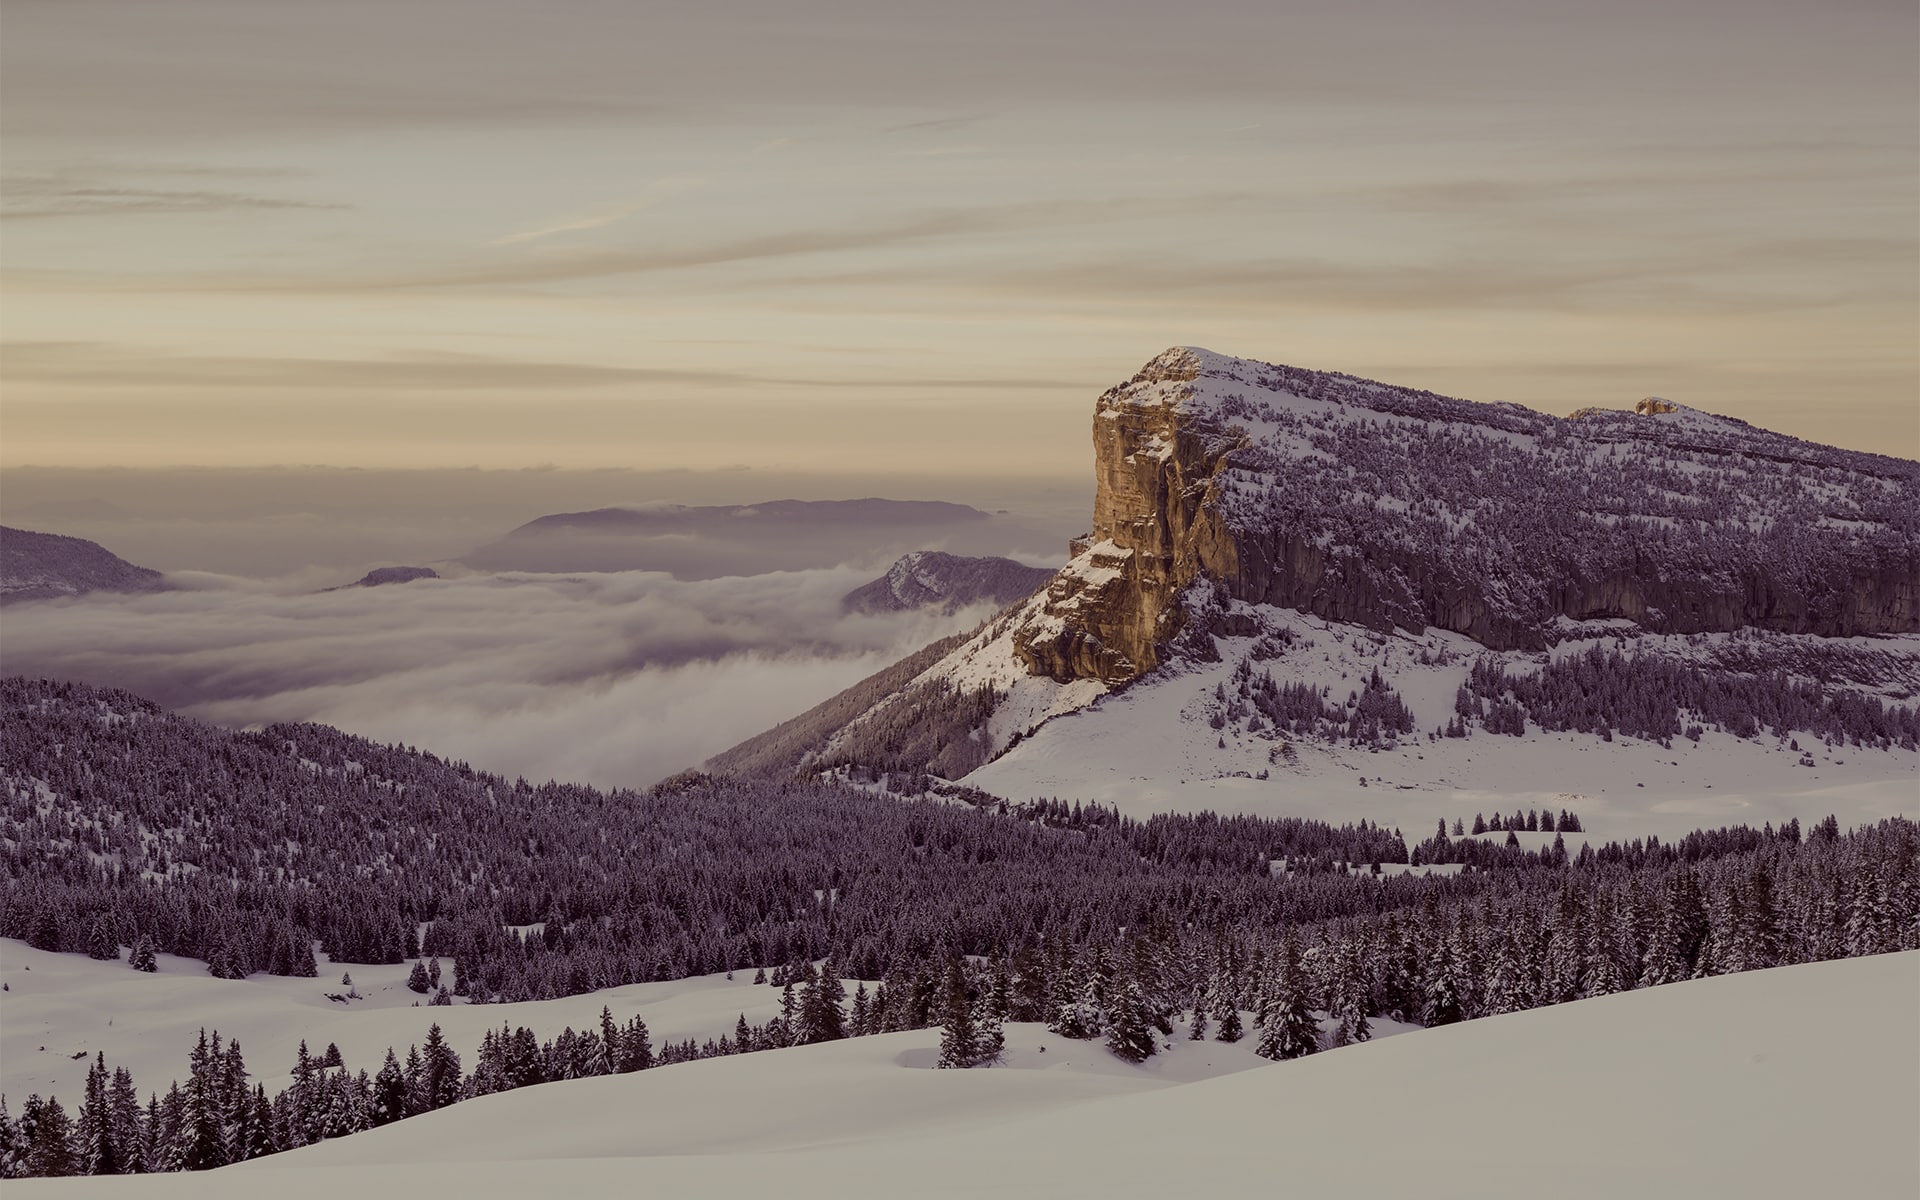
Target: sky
[[920, 238]]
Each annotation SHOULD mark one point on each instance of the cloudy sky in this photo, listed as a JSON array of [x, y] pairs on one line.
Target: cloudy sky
[[851, 233]]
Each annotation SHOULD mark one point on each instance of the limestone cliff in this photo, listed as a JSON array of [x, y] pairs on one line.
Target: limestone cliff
[[1388, 507]]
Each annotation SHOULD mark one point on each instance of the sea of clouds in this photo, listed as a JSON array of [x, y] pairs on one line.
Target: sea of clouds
[[616, 679]]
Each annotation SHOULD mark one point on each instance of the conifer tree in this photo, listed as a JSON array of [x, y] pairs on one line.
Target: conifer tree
[[1226, 1015], [1287, 1027], [104, 945], [959, 1045], [94, 1133], [636, 1046], [390, 1100], [47, 1133], [1129, 1032], [820, 1017], [441, 1064], [12, 1160]]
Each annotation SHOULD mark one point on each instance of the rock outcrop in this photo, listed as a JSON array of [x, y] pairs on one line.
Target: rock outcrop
[[1388, 507]]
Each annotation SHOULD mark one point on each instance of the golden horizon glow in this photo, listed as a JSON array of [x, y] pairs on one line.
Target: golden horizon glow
[[447, 235]]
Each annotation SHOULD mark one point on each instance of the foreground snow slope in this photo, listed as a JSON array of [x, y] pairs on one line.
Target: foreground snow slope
[[1792, 1082]]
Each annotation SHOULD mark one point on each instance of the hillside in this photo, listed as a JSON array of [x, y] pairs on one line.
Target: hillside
[[709, 541], [45, 566], [1731, 1107], [930, 578], [1304, 575]]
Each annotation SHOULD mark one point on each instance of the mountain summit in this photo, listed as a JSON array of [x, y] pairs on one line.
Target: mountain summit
[[1394, 508]]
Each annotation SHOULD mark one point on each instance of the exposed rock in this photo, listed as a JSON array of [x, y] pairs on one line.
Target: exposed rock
[[1387, 507], [44, 566], [381, 576], [930, 578]]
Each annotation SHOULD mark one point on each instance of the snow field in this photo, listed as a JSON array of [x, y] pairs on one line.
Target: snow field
[[1784, 1083]]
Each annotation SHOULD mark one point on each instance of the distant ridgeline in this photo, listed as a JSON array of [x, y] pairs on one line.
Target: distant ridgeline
[[48, 566], [1653, 573], [124, 827]]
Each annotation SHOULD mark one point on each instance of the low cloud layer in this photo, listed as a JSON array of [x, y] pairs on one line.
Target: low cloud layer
[[615, 679]]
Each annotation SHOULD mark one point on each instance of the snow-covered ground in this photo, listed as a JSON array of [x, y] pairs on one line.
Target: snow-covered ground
[[59, 1006], [1150, 749], [1792, 1082]]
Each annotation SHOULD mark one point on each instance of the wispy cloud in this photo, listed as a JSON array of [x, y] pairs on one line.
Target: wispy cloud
[[605, 215], [589, 263], [103, 364], [95, 191]]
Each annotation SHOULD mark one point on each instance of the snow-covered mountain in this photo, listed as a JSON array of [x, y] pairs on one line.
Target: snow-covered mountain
[[1301, 574], [44, 566], [931, 578]]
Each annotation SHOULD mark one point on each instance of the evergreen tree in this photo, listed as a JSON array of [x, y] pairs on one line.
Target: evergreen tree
[[636, 1046], [1129, 1032], [1287, 1027], [441, 1065], [94, 1133], [12, 1158], [1226, 1016], [391, 1101], [959, 1045], [47, 1133], [142, 958], [103, 944], [859, 1020], [820, 1017], [123, 1109]]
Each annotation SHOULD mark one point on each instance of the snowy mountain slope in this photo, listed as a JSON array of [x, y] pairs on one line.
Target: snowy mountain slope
[[930, 578], [43, 566], [1782, 1083], [1171, 742], [1716, 621]]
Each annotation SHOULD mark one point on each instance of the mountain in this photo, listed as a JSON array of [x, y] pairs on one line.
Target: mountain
[[1289, 569], [930, 578], [43, 566], [384, 576], [710, 541]]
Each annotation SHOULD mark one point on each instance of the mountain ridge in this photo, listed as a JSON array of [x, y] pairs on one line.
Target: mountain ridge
[[45, 566]]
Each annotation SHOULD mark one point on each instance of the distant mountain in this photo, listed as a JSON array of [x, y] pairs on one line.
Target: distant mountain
[[382, 576], [1288, 566], [709, 541], [45, 566], [930, 579]]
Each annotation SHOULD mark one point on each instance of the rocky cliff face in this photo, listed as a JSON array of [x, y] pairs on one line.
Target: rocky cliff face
[[1382, 506]]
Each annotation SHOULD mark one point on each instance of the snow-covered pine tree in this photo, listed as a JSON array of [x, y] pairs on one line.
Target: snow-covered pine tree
[[1287, 1027], [959, 1044], [1129, 1029]]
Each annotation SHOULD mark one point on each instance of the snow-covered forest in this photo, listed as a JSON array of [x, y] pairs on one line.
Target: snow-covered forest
[[118, 840]]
